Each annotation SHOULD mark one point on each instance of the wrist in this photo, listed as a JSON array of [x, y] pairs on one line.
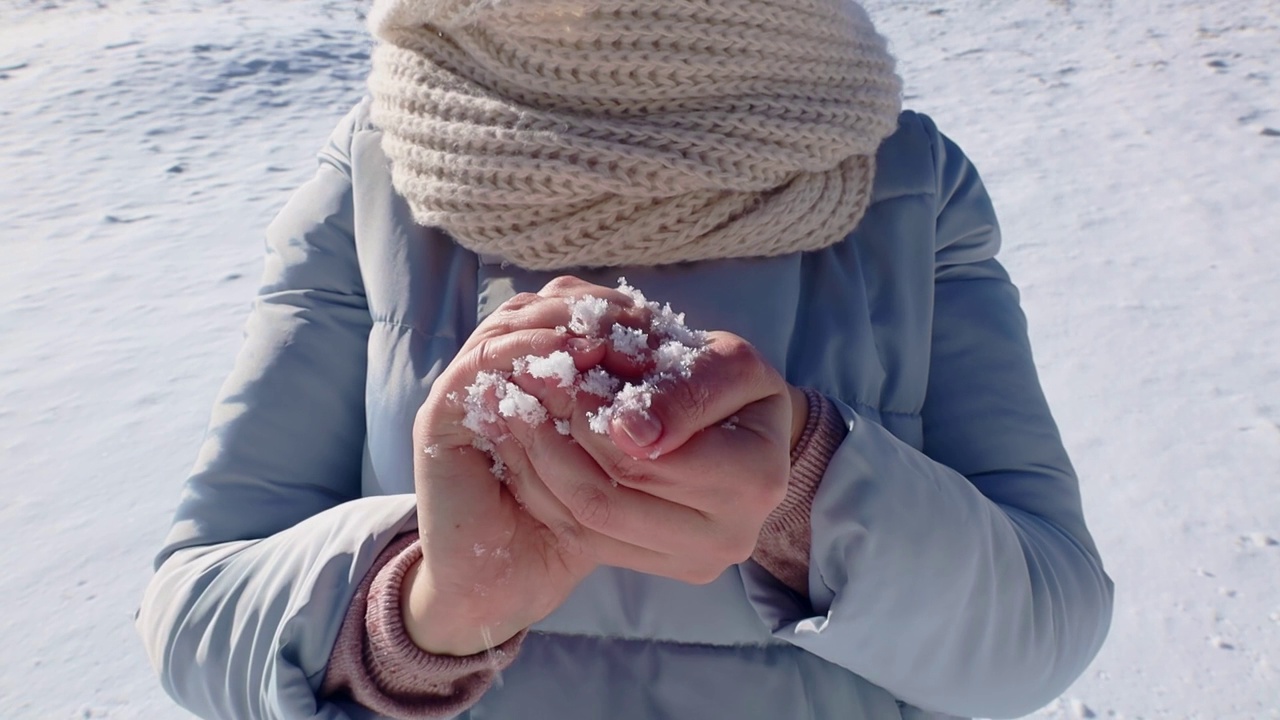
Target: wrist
[[441, 626]]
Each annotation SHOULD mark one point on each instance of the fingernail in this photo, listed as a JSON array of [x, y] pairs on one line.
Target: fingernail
[[642, 427]]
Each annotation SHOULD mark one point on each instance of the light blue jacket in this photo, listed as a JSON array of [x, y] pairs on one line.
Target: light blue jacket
[[951, 570]]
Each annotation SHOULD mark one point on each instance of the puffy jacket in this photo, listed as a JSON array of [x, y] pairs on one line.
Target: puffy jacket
[[951, 569]]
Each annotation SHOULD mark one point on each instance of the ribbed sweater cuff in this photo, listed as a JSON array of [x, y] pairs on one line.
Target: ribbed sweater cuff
[[785, 539], [376, 663]]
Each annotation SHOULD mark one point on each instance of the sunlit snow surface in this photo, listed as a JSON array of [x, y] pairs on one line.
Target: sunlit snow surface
[[1132, 148]]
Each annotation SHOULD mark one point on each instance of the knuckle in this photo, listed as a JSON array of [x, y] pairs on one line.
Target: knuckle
[[509, 316], [591, 506], [623, 470], [740, 364], [767, 491], [518, 302], [693, 398], [533, 443], [561, 285], [567, 538], [487, 353], [741, 358], [427, 422], [424, 435]]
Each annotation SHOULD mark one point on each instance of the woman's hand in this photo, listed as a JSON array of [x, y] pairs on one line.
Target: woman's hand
[[680, 491], [498, 557], [489, 568]]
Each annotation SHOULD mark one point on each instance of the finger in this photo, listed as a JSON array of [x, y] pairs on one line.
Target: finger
[[728, 375], [447, 419], [595, 371], [569, 286], [599, 505], [586, 314], [570, 537], [501, 353], [680, 566], [693, 475], [728, 469], [555, 379], [530, 492], [630, 345], [457, 498]]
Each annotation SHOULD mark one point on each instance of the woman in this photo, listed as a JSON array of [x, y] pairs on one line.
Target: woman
[[854, 504]]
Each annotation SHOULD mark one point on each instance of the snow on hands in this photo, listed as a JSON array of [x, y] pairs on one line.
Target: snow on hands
[[558, 364], [587, 312], [490, 396], [668, 349], [628, 341]]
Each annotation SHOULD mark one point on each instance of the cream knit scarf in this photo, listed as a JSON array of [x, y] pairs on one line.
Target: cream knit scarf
[[561, 133]]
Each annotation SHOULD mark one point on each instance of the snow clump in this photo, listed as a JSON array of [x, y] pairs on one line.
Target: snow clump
[[678, 348], [558, 365], [587, 312], [675, 348]]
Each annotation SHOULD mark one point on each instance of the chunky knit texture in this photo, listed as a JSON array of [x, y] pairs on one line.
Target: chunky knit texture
[[563, 133]]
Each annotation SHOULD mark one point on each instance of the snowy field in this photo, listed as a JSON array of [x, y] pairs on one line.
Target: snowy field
[[1133, 150]]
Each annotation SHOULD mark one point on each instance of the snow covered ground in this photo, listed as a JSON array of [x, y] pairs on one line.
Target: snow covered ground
[[1133, 150]]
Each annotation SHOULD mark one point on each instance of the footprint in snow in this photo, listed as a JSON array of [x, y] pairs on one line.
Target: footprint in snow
[[6, 69], [1080, 711], [117, 219], [1258, 539]]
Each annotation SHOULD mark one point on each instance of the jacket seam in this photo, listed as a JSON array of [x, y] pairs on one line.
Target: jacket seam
[[663, 641], [860, 406], [904, 194], [412, 328]]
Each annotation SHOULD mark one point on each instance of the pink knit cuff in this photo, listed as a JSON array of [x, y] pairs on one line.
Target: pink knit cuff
[[376, 663], [785, 539]]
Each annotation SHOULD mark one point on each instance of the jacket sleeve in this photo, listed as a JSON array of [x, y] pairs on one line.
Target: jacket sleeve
[[269, 540], [962, 579]]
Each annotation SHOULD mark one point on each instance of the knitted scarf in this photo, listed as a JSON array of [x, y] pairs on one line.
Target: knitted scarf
[[562, 133]]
